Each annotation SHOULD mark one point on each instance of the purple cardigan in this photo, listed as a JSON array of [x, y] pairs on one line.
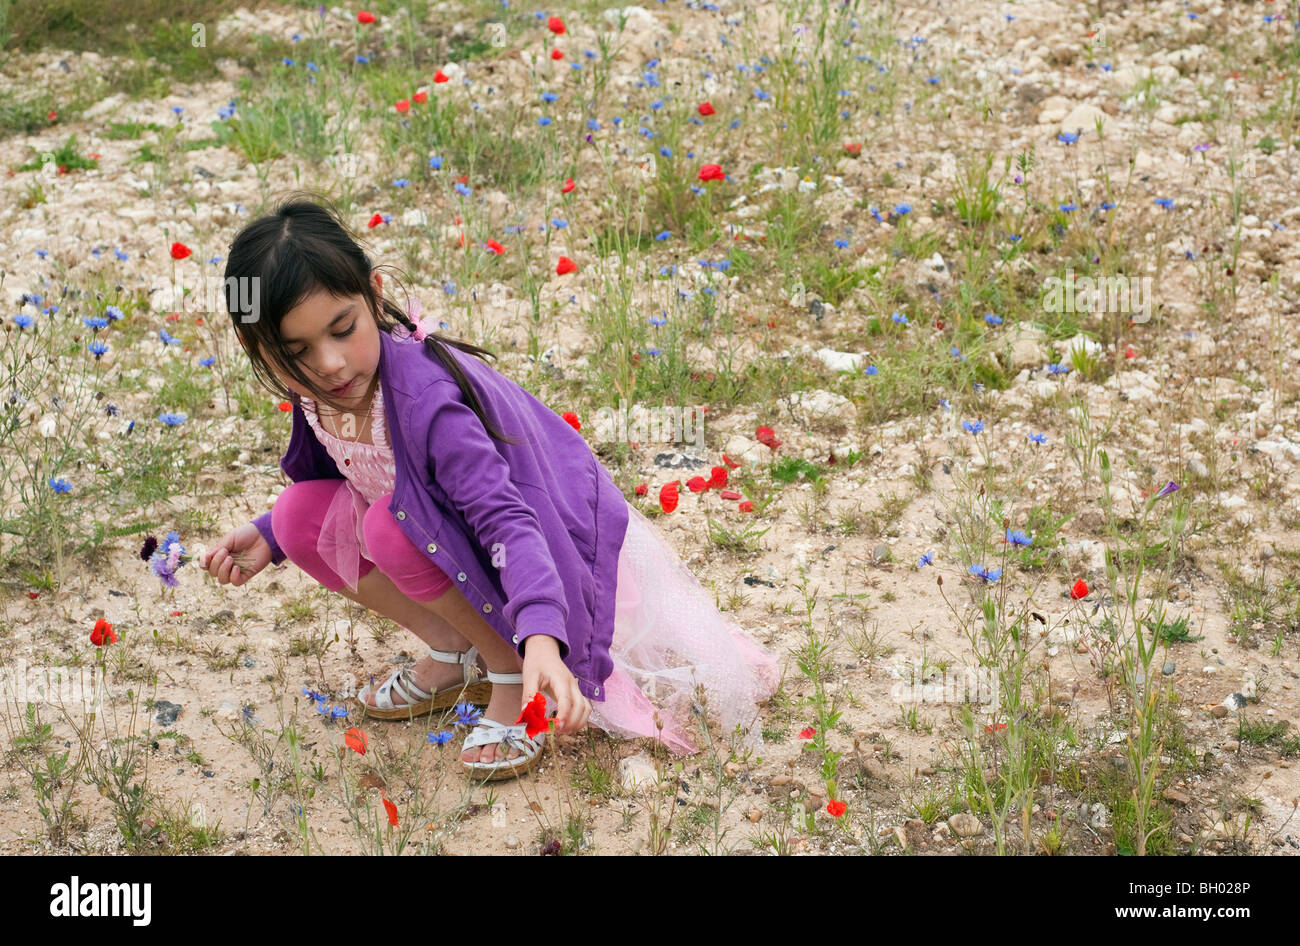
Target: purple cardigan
[[530, 533]]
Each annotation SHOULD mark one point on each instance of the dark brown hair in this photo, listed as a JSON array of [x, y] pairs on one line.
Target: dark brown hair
[[288, 255]]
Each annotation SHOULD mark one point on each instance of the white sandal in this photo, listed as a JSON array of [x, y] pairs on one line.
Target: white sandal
[[417, 701], [489, 732]]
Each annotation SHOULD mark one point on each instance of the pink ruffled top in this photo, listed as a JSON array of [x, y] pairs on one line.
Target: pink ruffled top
[[370, 467]]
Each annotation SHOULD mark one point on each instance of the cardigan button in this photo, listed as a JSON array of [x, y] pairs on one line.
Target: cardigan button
[[401, 514], [432, 548], [514, 639], [487, 609], [595, 691], [460, 576]]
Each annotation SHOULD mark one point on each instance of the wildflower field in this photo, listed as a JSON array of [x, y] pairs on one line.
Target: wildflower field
[[976, 324]]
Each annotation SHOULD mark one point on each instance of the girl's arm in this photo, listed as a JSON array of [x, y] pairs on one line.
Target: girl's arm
[[476, 478], [263, 523]]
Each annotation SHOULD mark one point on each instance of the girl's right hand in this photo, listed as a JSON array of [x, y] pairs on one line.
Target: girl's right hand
[[240, 555]]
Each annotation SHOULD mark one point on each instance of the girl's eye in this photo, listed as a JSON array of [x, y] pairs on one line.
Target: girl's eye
[[350, 330]]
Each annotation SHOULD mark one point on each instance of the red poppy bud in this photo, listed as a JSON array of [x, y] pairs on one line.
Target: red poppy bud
[[53, 115], [365, 16], [555, 25], [571, 419], [495, 247], [746, 506], [420, 97], [1080, 590], [853, 148], [180, 251], [712, 172], [668, 496], [1130, 353], [403, 106], [706, 109], [440, 76], [375, 221], [33, 595], [568, 185], [641, 490], [565, 265]]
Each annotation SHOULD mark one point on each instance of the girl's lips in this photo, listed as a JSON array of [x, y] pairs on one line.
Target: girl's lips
[[342, 389]]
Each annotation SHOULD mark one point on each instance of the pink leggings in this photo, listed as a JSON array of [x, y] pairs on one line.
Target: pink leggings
[[296, 521]]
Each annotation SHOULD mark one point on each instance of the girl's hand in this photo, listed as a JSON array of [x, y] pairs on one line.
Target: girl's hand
[[545, 671], [240, 555]]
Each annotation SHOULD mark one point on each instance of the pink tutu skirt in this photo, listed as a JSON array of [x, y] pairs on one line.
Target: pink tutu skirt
[[669, 639]]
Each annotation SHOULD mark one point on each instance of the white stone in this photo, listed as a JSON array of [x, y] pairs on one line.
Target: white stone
[[637, 772]]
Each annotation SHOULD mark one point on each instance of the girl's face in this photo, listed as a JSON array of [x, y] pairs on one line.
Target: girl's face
[[335, 342]]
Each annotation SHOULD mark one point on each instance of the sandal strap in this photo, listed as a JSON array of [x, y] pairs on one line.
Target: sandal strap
[[406, 689], [505, 679], [488, 732], [467, 659]]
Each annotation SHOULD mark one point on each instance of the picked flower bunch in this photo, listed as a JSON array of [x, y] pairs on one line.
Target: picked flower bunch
[[165, 560]]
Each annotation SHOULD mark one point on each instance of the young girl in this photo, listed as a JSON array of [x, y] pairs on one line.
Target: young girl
[[431, 489]]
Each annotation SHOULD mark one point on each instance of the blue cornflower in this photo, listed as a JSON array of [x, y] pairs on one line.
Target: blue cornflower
[[60, 486], [1069, 137], [98, 349], [467, 714], [955, 351], [734, 125], [876, 213], [284, 59], [670, 270], [933, 80], [924, 560], [709, 290], [462, 189], [167, 339], [313, 67], [1014, 237], [42, 253], [657, 104], [559, 223], [1057, 368], [697, 190], [1038, 438], [1069, 208], [992, 319], [944, 403], [976, 387], [666, 151], [761, 95], [400, 182], [841, 244], [23, 320], [657, 320], [439, 738], [1016, 537], [313, 695], [593, 125], [435, 162], [900, 318], [172, 420], [363, 59], [985, 574], [332, 712], [543, 121], [663, 235], [111, 410], [207, 362], [902, 209], [654, 352], [449, 288], [973, 426], [1165, 202], [871, 370], [549, 96]]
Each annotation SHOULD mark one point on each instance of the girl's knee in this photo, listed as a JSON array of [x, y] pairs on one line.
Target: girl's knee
[[298, 513]]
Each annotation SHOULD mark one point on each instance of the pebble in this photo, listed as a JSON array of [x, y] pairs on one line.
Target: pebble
[[964, 825], [1219, 711], [880, 553], [636, 772], [512, 843], [165, 713], [1174, 795], [1168, 668], [755, 815]]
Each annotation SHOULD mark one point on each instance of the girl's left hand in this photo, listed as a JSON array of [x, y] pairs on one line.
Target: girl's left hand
[[545, 671]]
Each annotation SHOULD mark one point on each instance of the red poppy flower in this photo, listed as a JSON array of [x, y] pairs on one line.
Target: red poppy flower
[[706, 109], [729, 494], [668, 496], [534, 716], [556, 54], [836, 808], [746, 506], [440, 76], [853, 148], [285, 406], [718, 477], [365, 16], [571, 419], [712, 172], [767, 437], [33, 595], [172, 317], [375, 221], [697, 484], [568, 185], [103, 634], [1080, 590], [420, 97], [1130, 353], [730, 462], [555, 25], [641, 490], [53, 115], [807, 733], [403, 106], [565, 265], [390, 808], [180, 251], [356, 740], [495, 247]]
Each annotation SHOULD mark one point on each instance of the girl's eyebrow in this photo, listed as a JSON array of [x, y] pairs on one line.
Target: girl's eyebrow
[[290, 340]]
